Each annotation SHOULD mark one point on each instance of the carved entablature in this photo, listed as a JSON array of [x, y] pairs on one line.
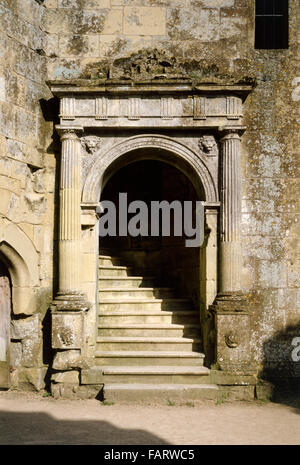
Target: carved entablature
[[151, 88], [150, 101], [165, 105]]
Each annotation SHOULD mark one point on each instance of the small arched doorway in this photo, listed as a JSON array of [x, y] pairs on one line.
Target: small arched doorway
[[5, 311]]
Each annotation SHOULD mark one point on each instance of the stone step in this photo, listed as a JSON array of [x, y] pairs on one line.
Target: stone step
[[155, 374], [109, 270], [147, 343], [109, 260], [160, 393], [129, 304], [142, 329], [148, 358], [106, 282], [148, 317], [135, 293]]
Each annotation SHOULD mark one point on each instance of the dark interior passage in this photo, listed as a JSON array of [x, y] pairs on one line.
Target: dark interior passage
[[166, 258]]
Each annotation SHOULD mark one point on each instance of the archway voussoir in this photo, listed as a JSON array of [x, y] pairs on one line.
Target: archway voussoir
[[92, 185]]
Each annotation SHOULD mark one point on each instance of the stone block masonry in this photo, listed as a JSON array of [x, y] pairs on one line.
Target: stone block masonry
[[210, 41], [26, 186]]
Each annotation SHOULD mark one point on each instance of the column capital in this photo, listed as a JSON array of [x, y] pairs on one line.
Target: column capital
[[211, 208], [90, 213], [231, 132], [69, 133]]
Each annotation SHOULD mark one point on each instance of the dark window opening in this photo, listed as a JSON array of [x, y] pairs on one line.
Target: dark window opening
[[271, 24]]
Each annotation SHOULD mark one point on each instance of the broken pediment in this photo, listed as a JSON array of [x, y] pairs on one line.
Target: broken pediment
[[149, 64], [144, 64]]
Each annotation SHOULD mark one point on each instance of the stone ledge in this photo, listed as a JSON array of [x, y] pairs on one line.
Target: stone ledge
[[92, 376], [69, 391], [230, 393], [223, 378]]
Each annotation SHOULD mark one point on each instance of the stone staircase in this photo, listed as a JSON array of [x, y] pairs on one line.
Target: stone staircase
[[148, 344]]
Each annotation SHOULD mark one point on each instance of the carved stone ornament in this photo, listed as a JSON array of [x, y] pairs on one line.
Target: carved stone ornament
[[91, 144], [208, 146], [157, 64], [231, 340], [150, 63]]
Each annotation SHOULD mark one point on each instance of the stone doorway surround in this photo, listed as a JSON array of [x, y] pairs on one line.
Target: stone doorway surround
[[198, 129]]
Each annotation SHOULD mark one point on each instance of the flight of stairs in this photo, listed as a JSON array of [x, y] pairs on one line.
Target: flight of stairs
[[148, 344]]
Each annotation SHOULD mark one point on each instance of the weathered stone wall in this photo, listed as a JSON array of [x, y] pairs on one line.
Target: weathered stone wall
[[270, 208], [270, 218], [26, 183], [61, 39], [219, 34]]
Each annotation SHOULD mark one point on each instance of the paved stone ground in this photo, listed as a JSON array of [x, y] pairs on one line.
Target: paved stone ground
[[30, 418]]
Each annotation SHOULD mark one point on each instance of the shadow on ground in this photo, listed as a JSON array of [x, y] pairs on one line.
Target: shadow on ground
[[282, 366], [40, 428]]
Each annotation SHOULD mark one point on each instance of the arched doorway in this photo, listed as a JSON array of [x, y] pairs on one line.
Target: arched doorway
[[5, 310], [141, 147], [152, 301], [102, 127], [172, 170], [167, 258]]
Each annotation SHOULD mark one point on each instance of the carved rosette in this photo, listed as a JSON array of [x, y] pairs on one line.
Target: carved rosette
[[231, 340]]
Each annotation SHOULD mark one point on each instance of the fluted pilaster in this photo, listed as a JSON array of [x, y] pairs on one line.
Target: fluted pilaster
[[69, 309], [230, 246], [69, 213]]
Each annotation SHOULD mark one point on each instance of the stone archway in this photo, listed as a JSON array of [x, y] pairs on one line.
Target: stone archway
[[182, 157], [185, 117], [187, 161], [165, 256], [165, 149], [19, 278], [165, 275], [21, 259]]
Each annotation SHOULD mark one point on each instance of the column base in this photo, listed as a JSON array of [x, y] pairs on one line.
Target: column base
[[230, 302], [69, 312], [70, 301], [232, 333]]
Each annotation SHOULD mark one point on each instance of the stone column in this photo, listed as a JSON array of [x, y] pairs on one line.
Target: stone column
[[230, 245], [69, 215], [70, 305], [231, 318]]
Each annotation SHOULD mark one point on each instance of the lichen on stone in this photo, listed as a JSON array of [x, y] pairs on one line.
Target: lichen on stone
[[148, 64]]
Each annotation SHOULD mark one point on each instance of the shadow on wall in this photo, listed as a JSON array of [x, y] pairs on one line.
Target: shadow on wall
[[41, 428], [281, 366]]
